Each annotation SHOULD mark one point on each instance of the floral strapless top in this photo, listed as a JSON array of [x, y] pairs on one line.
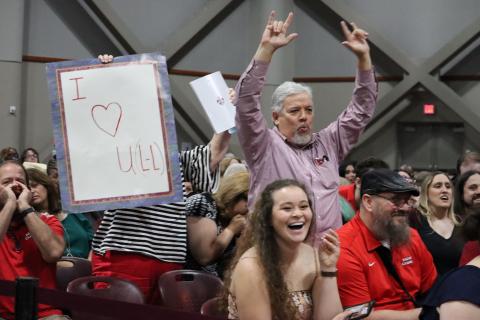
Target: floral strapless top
[[301, 299]]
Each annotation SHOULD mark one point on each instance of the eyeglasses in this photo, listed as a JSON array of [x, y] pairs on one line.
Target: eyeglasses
[[396, 201]]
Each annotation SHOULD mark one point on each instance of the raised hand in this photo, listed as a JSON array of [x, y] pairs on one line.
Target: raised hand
[[105, 58], [275, 36], [6, 194], [329, 250], [25, 196], [232, 95], [356, 41], [237, 224]]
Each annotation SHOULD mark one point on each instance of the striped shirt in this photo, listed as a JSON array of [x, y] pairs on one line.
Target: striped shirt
[[158, 231]]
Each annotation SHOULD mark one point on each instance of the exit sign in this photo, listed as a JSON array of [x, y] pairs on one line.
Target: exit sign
[[429, 109]]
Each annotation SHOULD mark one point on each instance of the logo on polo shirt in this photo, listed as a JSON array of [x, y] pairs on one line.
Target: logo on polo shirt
[[370, 264], [407, 260], [27, 235]]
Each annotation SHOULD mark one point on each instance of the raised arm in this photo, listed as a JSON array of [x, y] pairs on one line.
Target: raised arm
[[274, 36], [51, 245], [356, 41], [251, 124]]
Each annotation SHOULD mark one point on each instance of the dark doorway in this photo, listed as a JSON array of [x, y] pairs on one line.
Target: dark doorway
[[430, 145]]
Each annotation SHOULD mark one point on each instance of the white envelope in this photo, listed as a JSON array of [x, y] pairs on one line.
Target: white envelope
[[212, 92]]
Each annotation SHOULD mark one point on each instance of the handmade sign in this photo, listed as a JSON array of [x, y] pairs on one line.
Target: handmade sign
[[114, 133], [212, 92]]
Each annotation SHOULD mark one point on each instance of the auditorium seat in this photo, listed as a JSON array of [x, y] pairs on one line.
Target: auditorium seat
[[70, 268], [187, 290]]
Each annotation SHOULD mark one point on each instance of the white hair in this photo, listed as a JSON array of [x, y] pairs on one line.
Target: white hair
[[286, 89]]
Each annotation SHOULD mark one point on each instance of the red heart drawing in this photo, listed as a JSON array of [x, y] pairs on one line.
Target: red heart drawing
[[107, 119]]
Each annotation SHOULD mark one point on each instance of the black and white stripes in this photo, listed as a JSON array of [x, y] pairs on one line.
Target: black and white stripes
[[158, 231]]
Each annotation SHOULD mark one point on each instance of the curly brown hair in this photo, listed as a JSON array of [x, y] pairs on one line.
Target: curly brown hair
[[261, 235]]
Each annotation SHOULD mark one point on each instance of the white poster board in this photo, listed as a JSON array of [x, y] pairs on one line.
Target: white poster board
[[114, 133]]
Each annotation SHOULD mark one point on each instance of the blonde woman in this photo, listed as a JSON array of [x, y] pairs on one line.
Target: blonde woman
[[436, 222], [214, 222]]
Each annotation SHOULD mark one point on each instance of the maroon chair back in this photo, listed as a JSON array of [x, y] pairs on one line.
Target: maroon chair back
[[212, 308], [187, 290], [107, 288], [70, 268]]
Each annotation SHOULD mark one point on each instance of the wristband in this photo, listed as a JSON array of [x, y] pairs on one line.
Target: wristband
[[24, 213], [328, 274]]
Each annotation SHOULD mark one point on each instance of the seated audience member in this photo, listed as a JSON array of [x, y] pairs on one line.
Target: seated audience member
[[291, 149], [30, 242], [235, 168], [470, 160], [140, 244], [351, 192], [78, 232], [407, 172], [275, 275], [29, 155], [436, 222], [226, 162], [467, 200], [9, 153], [347, 170], [381, 257], [214, 222], [457, 295]]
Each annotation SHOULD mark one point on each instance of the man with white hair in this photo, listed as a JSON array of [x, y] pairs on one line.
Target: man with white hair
[[290, 149]]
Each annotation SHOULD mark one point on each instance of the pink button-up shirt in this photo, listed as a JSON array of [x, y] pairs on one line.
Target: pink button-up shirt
[[270, 157]]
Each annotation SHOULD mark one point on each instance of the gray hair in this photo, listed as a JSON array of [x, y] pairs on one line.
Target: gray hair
[[286, 89]]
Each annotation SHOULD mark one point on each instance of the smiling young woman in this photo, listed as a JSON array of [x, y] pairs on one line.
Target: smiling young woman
[[274, 274]]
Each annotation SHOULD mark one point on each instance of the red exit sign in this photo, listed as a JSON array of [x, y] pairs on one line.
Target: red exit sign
[[429, 109]]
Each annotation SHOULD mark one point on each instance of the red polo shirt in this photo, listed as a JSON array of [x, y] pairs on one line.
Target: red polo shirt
[[348, 192], [471, 249], [20, 257], [363, 277]]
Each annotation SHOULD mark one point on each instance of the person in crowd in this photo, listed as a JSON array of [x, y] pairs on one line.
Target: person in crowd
[[214, 222], [351, 192], [274, 274], [347, 170], [290, 149], [456, 295], [226, 162], [30, 155], [381, 257], [140, 244], [470, 160], [467, 199], [407, 172], [9, 153], [30, 242], [467, 193], [78, 232], [437, 223]]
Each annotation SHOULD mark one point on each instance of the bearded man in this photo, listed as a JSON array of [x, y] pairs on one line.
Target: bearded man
[[381, 257], [467, 199]]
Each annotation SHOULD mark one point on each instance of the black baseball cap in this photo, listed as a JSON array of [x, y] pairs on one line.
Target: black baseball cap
[[385, 180]]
